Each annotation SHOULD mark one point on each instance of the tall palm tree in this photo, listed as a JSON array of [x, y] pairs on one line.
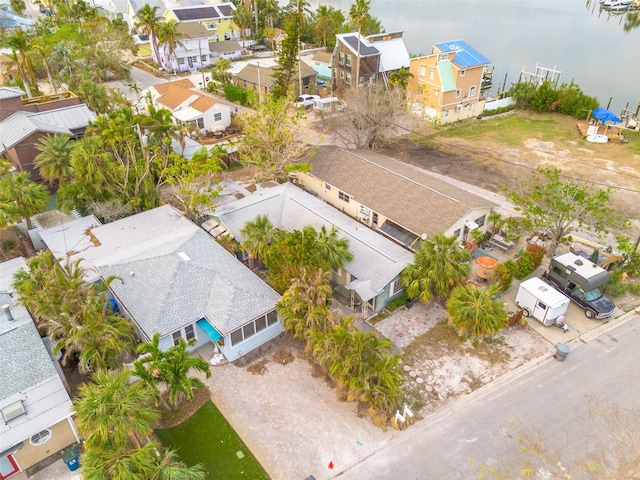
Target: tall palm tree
[[54, 159], [335, 250], [358, 13], [326, 22], [20, 43], [475, 311], [242, 18], [147, 24], [257, 237], [112, 411], [168, 38], [43, 51]]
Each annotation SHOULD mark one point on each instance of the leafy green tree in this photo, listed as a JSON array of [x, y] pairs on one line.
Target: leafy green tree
[[286, 72], [400, 78], [476, 311], [560, 205], [327, 21], [572, 101], [258, 235], [18, 6], [115, 412], [545, 98], [439, 267], [272, 139], [19, 196], [523, 93]]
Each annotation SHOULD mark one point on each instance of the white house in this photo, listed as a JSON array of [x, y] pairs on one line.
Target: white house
[[173, 279], [190, 52], [190, 107]]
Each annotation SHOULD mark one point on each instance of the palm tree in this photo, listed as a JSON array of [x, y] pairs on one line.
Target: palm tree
[[168, 36], [327, 20], [54, 159], [400, 79], [474, 311], [20, 43], [44, 50], [178, 365], [257, 237], [147, 24], [242, 18], [221, 71], [20, 197], [358, 12], [114, 412], [335, 250]]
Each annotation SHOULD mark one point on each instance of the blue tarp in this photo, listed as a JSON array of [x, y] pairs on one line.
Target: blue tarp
[[605, 115], [209, 330]]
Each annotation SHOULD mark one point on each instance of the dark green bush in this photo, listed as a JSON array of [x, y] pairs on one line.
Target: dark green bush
[[236, 94], [504, 275]]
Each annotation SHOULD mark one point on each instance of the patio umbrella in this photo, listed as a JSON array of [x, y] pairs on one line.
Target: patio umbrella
[[486, 262]]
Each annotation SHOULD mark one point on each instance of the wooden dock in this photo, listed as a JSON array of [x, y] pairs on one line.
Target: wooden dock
[[613, 133]]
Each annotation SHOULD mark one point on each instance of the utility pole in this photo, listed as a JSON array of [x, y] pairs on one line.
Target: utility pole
[[259, 87]]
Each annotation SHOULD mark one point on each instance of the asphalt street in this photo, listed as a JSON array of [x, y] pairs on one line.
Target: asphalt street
[[551, 399]]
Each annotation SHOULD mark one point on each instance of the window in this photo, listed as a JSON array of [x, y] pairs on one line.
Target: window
[[249, 330], [188, 334], [462, 72], [374, 219], [361, 80], [181, 61], [458, 93], [40, 437], [348, 79], [443, 56], [472, 91], [343, 196], [272, 317], [341, 58], [373, 78], [236, 337], [12, 411], [348, 60], [436, 92], [457, 233], [423, 71], [212, 26], [480, 220], [336, 270], [396, 287], [217, 117], [203, 58], [420, 89], [446, 113], [261, 324], [341, 74], [432, 73], [327, 186]]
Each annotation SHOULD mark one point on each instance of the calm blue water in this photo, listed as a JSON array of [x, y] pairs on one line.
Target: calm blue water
[[569, 35]]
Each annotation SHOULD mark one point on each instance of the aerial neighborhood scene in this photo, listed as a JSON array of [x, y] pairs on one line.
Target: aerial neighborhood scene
[[348, 239]]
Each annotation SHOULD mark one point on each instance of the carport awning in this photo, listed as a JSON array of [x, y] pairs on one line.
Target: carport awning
[[362, 288], [209, 330]]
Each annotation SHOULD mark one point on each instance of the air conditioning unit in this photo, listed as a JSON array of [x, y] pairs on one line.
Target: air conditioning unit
[[458, 108]]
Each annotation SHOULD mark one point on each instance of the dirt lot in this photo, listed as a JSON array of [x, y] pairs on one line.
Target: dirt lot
[[489, 163]]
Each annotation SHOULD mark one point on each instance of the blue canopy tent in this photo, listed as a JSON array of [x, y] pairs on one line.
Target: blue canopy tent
[[605, 115]]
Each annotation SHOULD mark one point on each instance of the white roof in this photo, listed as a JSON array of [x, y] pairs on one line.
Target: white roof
[[10, 92], [7, 270], [28, 375], [186, 114], [377, 260], [393, 54]]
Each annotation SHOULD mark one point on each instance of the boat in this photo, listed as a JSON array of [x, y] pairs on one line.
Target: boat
[[597, 138]]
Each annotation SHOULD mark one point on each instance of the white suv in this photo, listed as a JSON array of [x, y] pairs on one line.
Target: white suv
[[306, 100]]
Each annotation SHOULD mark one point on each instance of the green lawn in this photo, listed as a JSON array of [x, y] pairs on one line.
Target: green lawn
[[207, 438]]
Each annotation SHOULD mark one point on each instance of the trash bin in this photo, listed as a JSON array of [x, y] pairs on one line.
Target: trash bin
[[562, 351], [70, 457]]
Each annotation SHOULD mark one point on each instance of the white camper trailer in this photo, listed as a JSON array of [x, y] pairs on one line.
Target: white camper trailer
[[541, 301]]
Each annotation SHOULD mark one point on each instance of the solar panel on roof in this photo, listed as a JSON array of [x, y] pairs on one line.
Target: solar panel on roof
[[200, 13], [225, 10]]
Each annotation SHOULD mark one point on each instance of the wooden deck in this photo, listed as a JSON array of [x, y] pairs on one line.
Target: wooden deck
[[613, 133]]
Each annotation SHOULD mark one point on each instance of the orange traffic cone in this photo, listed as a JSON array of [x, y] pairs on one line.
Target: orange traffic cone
[[331, 465]]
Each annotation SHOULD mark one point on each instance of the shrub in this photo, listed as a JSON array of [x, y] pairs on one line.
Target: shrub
[[504, 275], [397, 302], [526, 265], [538, 254], [236, 94], [496, 111]]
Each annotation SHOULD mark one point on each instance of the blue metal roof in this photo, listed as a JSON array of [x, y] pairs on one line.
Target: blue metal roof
[[466, 56]]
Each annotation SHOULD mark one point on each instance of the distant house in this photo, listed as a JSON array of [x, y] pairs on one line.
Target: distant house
[[191, 52], [174, 280], [448, 83], [216, 18], [190, 107], [259, 77], [395, 199], [229, 49], [36, 412], [21, 132], [380, 55], [321, 63], [370, 280]]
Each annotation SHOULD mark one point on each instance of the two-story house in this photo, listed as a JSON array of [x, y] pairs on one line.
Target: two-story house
[[216, 18], [448, 83], [380, 55], [190, 52]]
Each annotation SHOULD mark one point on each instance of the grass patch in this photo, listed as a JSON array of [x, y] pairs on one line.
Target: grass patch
[[207, 438]]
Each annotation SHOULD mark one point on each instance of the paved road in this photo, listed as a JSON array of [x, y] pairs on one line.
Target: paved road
[[551, 398]]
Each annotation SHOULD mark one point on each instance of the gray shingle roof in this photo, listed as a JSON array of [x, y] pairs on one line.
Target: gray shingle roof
[[409, 197], [376, 258], [351, 40]]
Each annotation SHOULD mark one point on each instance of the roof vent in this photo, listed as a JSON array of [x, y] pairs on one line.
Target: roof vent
[[184, 256], [6, 309], [578, 262]]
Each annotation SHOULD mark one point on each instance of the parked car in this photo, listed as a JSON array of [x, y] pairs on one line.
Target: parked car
[[306, 100]]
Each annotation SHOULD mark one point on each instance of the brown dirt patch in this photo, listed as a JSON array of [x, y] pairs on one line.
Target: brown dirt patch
[[171, 418]]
